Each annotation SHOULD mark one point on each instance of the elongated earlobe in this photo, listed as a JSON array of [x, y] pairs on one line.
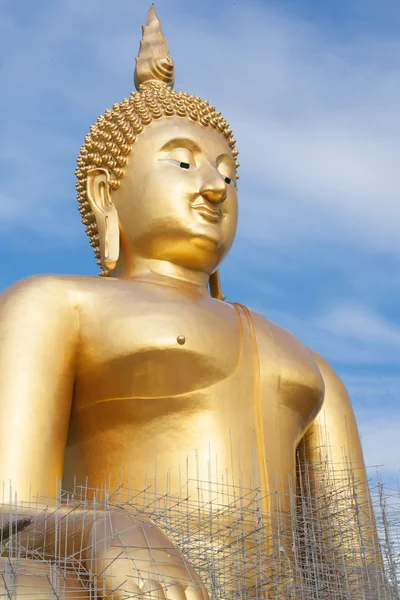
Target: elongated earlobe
[[106, 215]]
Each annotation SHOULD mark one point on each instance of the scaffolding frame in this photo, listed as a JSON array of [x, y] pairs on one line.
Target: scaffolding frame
[[332, 543]]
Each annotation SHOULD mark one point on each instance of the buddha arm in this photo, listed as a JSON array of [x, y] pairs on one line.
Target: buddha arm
[[332, 449], [38, 335]]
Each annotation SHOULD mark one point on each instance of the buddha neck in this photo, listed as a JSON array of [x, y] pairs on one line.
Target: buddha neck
[[161, 271]]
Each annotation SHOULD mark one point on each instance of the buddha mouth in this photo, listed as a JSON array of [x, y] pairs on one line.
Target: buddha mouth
[[211, 214]]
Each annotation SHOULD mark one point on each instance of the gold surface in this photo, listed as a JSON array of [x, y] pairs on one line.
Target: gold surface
[[145, 376]]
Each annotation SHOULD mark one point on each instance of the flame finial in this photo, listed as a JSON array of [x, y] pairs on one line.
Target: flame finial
[[154, 64]]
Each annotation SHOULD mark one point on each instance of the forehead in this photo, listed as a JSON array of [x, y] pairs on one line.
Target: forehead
[[159, 133]]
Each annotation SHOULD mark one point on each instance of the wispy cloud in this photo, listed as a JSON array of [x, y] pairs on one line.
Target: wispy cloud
[[377, 406], [351, 321], [381, 443]]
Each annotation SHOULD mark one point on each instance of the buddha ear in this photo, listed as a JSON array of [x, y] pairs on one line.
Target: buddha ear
[[106, 215]]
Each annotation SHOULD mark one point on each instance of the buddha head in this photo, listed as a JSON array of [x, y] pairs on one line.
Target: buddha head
[[156, 176]]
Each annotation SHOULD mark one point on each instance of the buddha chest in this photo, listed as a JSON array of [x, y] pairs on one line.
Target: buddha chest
[[155, 341], [146, 340]]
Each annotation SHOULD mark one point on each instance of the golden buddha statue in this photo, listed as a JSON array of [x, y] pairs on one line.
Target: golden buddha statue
[[146, 373]]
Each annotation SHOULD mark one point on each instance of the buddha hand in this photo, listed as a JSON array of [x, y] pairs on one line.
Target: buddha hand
[[129, 557]]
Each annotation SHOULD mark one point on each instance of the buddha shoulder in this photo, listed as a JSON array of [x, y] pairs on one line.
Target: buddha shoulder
[[56, 291], [44, 292], [292, 359], [36, 291], [48, 299], [38, 312]]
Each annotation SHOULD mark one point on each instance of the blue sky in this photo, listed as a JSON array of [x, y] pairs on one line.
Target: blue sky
[[312, 92]]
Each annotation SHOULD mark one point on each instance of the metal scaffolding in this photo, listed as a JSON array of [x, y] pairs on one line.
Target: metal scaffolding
[[329, 545]]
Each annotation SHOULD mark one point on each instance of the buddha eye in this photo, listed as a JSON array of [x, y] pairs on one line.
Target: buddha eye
[[179, 163], [181, 157], [226, 169], [228, 180]]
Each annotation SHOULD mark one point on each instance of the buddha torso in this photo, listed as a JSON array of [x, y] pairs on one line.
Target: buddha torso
[[165, 388]]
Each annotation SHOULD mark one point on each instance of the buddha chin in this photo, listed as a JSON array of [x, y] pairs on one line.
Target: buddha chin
[[205, 243], [202, 250], [210, 232], [207, 236]]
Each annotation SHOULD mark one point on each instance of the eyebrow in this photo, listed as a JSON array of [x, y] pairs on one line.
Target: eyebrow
[[181, 143]]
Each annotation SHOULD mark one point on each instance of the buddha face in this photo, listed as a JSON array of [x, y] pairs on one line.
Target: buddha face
[[177, 200]]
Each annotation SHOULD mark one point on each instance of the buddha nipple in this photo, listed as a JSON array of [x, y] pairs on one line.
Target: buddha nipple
[[181, 339]]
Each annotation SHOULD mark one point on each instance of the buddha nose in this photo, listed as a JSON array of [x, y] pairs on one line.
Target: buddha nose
[[214, 191]]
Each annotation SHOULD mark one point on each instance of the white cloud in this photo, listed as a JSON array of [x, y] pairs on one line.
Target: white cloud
[[373, 392], [351, 321], [381, 442], [376, 401]]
